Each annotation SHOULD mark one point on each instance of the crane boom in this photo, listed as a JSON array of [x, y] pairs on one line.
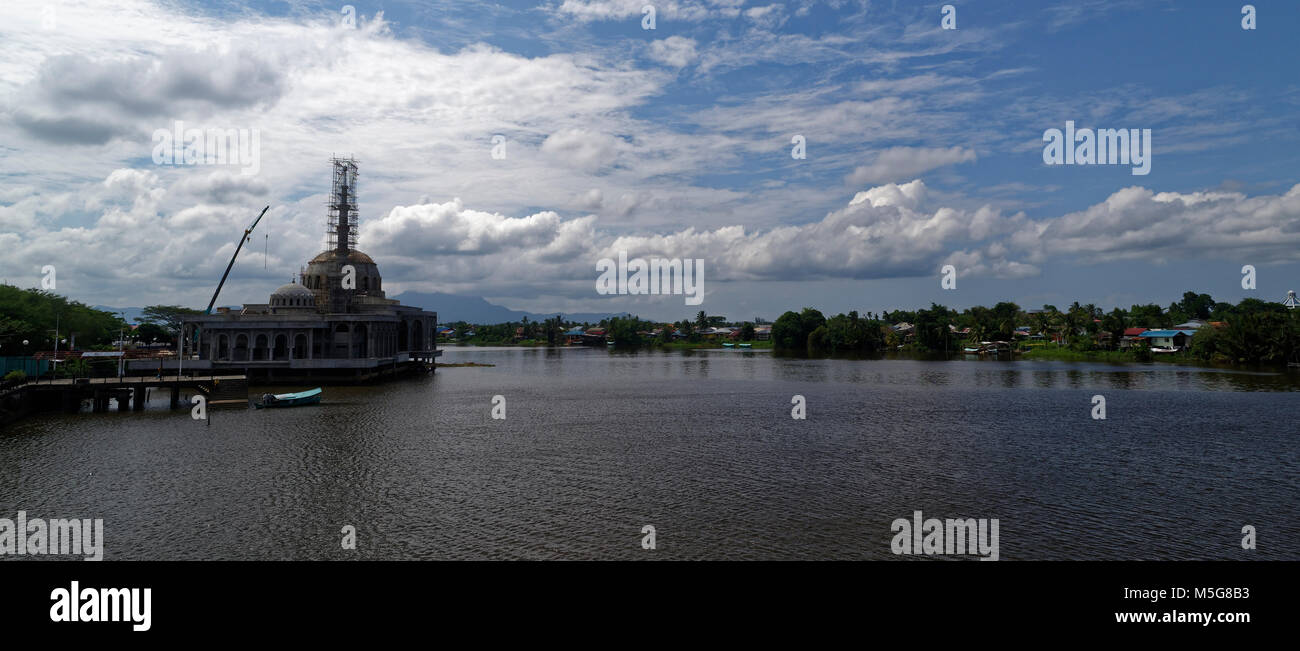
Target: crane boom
[[243, 238]]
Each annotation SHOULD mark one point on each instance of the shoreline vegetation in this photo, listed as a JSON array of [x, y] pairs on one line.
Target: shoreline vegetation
[[1196, 329]]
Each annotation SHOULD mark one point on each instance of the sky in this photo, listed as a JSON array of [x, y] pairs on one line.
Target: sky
[[506, 148]]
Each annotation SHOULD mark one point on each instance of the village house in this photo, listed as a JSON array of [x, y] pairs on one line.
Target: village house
[[1168, 338], [1130, 337]]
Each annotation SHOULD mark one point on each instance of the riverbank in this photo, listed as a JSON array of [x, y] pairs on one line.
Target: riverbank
[[1061, 354], [674, 345]]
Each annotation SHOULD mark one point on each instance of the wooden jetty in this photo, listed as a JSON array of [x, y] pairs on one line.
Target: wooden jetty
[[67, 394]]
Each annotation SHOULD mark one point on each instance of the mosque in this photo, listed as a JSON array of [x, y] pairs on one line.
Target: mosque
[[332, 323]]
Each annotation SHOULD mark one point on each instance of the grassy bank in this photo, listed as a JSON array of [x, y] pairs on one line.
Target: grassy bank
[[1117, 356], [675, 345]]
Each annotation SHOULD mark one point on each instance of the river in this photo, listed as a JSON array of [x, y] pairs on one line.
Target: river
[[701, 445]]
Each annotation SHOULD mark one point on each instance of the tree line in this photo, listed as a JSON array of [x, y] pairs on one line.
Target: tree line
[[1251, 331]]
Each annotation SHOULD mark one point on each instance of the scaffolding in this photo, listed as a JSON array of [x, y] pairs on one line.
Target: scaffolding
[[341, 224]]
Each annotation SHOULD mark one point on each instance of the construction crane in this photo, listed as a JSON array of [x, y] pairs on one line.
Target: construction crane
[[244, 238]]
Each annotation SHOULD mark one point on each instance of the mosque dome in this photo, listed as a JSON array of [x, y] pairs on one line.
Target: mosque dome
[[292, 295], [354, 256]]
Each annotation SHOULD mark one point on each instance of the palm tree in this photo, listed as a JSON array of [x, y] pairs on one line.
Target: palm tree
[[1042, 321]]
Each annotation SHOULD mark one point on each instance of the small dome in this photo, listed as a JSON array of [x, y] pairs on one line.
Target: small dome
[[353, 256], [292, 290]]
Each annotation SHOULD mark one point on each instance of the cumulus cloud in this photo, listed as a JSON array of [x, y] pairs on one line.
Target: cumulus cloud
[[583, 149], [675, 51], [1138, 223], [898, 163], [75, 99], [888, 231], [224, 187]]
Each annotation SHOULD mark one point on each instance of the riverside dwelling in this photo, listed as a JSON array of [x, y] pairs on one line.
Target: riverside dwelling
[[1175, 339], [1131, 336]]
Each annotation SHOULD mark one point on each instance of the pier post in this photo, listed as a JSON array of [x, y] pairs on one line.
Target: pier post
[[140, 398], [123, 399], [98, 403], [176, 396]]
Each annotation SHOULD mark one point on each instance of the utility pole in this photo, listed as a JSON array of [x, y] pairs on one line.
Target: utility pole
[[56, 344], [121, 350]]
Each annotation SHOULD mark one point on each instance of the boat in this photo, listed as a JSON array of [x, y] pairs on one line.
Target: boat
[[1158, 350], [728, 345], [745, 345], [308, 397], [971, 351]]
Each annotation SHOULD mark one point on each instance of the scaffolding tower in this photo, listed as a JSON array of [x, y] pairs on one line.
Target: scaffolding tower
[[341, 226]]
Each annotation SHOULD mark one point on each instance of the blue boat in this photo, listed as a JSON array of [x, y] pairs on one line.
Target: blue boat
[[308, 397]]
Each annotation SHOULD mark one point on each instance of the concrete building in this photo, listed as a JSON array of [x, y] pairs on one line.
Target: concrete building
[[332, 323]]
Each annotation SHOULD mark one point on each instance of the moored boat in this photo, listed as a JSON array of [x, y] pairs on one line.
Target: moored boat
[[308, 397]]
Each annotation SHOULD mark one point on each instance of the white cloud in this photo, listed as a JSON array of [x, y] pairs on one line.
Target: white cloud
[[594, 10], [675, 51], [898, 163], [581, 148]]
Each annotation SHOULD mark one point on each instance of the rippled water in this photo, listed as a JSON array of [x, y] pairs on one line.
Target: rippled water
[[699, 444]]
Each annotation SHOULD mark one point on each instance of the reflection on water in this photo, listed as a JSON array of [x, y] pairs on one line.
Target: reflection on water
[[699, 444]]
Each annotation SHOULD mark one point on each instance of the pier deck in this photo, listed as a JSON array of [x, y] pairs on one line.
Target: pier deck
[[68, 393]]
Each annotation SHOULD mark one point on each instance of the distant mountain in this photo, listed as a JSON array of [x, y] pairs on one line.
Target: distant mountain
[[474, 309]]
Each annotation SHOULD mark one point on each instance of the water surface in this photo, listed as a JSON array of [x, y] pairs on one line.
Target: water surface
[[699, 444]]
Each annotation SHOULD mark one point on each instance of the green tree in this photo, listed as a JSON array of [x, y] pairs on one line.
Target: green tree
[[167, 316], [791, 330], [1113, 323]]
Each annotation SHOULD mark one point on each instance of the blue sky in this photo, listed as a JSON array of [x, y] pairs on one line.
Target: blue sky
[[924, 148]]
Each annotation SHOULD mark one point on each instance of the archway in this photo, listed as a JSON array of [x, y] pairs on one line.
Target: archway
[[359, 336], [281, 350], [401, 336], [300, 346], [223, 348], [241, 347], [417, 335], [341, 339], [259, 348]]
